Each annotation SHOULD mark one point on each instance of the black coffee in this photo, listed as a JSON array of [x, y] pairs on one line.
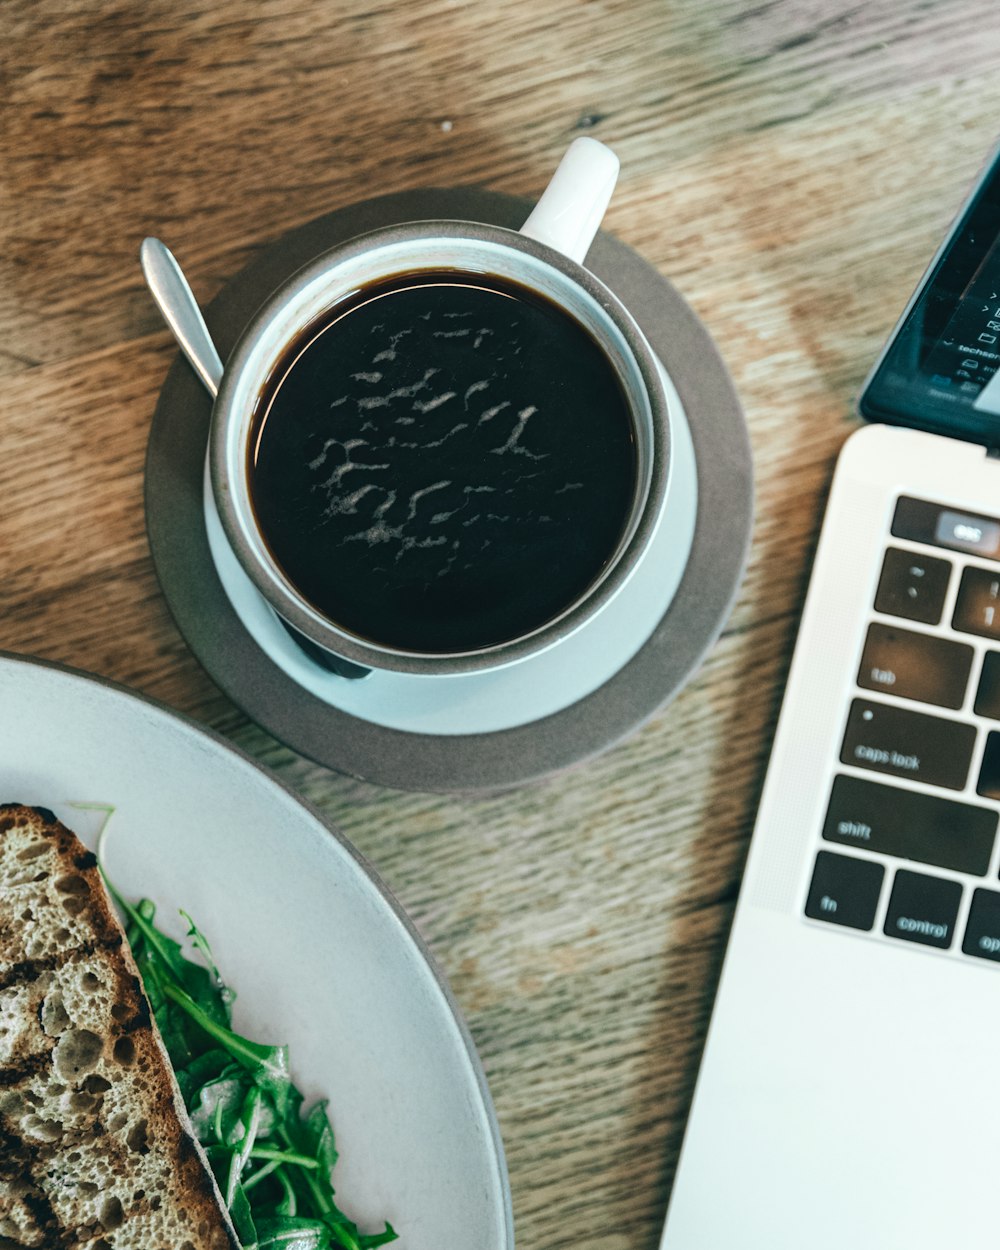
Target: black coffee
[[443, 463]]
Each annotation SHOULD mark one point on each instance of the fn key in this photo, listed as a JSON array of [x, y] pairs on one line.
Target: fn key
[[844, 890]]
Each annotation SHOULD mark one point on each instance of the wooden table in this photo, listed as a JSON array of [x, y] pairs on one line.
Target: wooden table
[[790, 165]]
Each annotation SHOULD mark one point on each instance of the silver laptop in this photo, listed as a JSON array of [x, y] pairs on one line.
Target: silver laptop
[[849, 1092]]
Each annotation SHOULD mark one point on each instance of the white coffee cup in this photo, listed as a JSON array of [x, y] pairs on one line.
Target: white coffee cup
[[545, 257]]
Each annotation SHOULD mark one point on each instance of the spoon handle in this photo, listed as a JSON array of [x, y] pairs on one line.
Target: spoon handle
[[180, 310]]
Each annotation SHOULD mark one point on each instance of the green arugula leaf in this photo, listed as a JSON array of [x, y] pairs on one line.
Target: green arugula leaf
[[273, 1163], [207, 1067], [200, 943], [251, 1126], [243, 1221], [268, 1064], [288, 1203], [217, 1107], [202, 985], [371, 1240], [283, 1156], [316, 1136], [291, 1232]]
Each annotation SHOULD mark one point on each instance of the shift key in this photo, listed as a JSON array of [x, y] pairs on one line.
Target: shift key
[[902, 743]]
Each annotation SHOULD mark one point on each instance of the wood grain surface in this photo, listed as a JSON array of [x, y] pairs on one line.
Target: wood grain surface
[[791, 165]]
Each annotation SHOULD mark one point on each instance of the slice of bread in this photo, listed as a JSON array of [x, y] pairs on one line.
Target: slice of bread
[[96, 1148]]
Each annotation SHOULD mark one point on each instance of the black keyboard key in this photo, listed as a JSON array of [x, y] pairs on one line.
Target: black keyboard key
[[913, 586], [988, 694], [966, 532], [915, 666], [982, 933], [923, 909], [902, 743], [844, 890], [923, 827], [932, 523], [977, 608], [988, 784]]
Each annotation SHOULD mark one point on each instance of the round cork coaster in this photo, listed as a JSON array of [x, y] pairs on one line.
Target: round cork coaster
[[587, 720]]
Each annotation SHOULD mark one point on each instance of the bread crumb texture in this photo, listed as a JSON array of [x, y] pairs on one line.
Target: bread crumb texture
[[96, 1150]]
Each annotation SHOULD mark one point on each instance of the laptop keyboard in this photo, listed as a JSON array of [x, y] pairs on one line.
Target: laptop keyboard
[[919, 775]]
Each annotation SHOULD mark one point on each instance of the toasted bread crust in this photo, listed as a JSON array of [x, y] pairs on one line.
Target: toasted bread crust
[[96, 1148]]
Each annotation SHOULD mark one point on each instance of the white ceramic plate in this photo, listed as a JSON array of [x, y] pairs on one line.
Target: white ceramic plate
[[321, 956]]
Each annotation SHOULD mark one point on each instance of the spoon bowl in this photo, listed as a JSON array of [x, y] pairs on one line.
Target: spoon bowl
[[176, 301]]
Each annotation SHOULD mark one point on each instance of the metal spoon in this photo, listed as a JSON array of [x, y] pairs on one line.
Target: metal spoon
[[180, 310]]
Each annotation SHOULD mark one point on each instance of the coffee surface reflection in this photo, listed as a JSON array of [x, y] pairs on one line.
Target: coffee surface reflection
[[443, 463]]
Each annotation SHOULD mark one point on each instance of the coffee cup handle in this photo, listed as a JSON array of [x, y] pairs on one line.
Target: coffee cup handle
[[573, 204]]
